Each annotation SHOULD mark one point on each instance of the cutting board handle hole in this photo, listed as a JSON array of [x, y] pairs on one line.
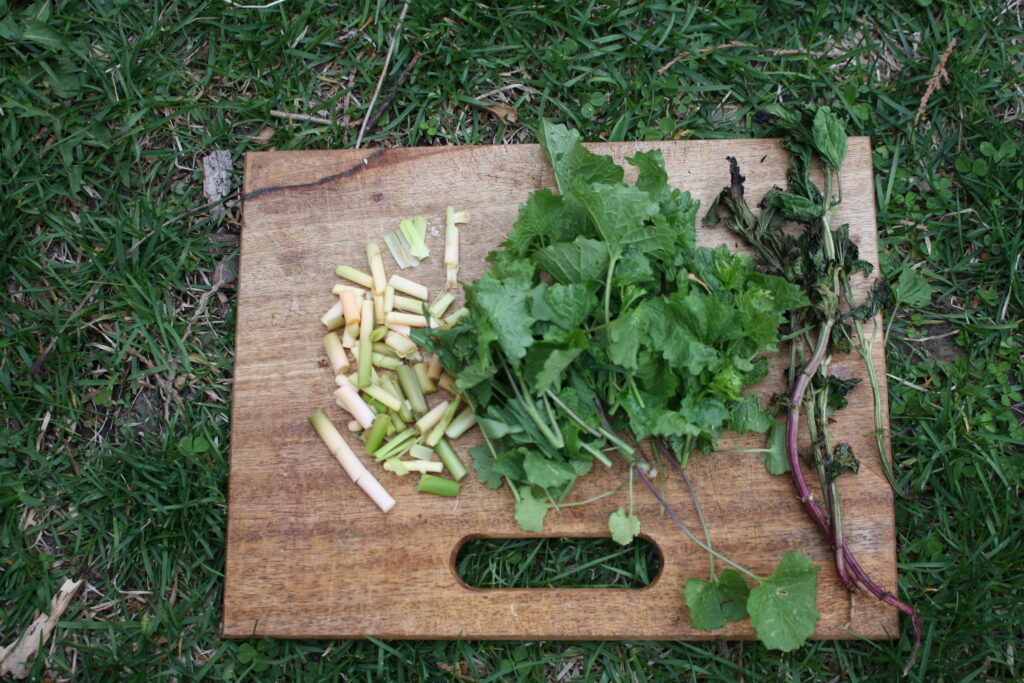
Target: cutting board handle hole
[[556, 562]]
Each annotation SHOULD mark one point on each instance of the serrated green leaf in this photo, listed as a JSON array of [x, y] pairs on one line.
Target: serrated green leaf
[[503, 301], [793, 206], [625, 342], [483, 463], [747, 416], [624, 527], [713, 603], [530, 511], [578, 261], [571, 161], [776, 460], [618, 212], [545, 363], [545, 472], [912, 289], [782, 609], [829, 134]]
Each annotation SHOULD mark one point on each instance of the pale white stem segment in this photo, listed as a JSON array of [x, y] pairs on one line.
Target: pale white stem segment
[[447, 382], [403, 330], [410, 319], [423, 466], [378, 306], [376, 492], [434, 370], [413, 289], [333, 318], [402, 345], [350, 304], [350, 400], [336, 445], [389, 299], [380, 280], [354, 426], [461, 424], [433, 416], [350, 337], [451, 246], [339, 288], [355, 275], [349, 462], [335, 352]]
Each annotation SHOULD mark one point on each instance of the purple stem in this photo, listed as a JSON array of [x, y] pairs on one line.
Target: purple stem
[[846, 563]]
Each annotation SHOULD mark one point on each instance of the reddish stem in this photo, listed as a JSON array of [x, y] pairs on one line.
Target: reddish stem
[[850, 571]]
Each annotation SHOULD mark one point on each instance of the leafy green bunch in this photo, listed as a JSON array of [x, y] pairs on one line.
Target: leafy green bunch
[[600, 324]]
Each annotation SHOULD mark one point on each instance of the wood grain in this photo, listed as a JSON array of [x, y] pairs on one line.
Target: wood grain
[[310, 556]]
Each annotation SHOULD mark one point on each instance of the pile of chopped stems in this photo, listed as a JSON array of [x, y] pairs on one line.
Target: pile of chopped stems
[[823, 260], [386, 395]]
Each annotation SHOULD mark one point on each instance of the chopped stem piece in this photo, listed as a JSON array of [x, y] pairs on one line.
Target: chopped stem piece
[[355, 275], [335, 352], [438, 431], [411, 388], [434, 369], [413, 289], [383, 396], [333, 318], [421, 452], [408, 304], [386, 362], [403, 330], [461, 424], [402, 346], [340, 289], [410, 319], [427, 422], [423, 466], [451, 459], [397, 466], [348, 399], [426, 384], [389, 299], [414, 232], [375, 437], [350, 305], [378, 305], [384, 350], [376, 268], [353, 467], [446, 382], [354, 426], [398, 444], [438, 486], [441, 304], [456, 317], [365, 358], [451, 246]]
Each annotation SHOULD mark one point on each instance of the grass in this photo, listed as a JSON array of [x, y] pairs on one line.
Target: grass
[[113, 457]]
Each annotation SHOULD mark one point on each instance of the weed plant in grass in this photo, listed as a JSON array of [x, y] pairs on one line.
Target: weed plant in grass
[[113, 457]]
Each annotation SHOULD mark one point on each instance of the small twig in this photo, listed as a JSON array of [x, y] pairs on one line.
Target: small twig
[[383, 73], [935, 82], [394, 91], [299, 117]]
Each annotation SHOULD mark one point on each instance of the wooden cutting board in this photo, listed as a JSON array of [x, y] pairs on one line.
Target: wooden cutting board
[[309, 555]]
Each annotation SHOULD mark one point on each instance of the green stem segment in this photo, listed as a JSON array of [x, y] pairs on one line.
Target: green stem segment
[[451, 459], [439, 486]]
